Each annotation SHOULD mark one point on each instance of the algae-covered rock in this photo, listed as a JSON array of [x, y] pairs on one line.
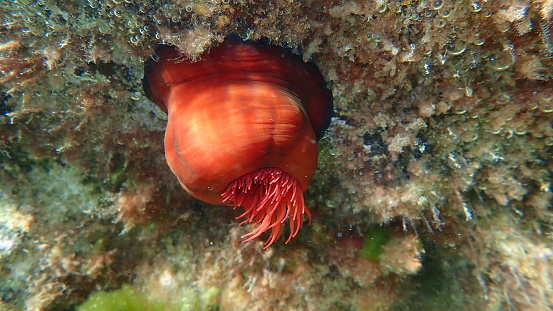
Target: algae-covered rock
[[442, 134]]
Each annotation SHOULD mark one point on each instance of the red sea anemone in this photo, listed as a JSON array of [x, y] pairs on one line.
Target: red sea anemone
[[243, 125]]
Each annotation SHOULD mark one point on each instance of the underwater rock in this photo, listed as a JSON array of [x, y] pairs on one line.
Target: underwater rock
[[442, 131]]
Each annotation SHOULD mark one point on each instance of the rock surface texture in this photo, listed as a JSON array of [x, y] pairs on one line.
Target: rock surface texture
[[442, 135]]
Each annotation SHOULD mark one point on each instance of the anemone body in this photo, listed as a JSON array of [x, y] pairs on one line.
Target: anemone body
[[243, 125]]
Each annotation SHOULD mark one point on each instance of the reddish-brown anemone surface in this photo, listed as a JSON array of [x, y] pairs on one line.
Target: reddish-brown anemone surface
[[243, 125]]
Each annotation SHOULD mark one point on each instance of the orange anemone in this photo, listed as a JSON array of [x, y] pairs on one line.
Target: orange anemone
[[243, 125]]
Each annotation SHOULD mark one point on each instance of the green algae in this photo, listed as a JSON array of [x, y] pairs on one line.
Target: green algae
[[118, 176], [372, 243], [123, 299], [129, 299]]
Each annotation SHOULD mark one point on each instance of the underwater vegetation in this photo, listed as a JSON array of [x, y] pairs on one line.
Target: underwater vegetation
[[373, 242], [442, 136], [124, 299], [128, 299]]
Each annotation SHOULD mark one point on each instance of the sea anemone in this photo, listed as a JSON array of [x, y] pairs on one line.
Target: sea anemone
[[243, 125]]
